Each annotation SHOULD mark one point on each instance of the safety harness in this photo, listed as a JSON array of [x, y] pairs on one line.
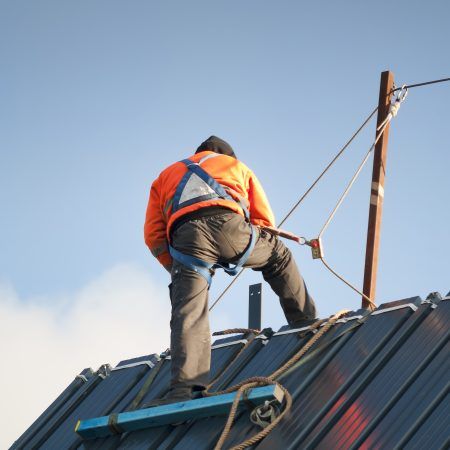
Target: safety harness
[[197, 186]]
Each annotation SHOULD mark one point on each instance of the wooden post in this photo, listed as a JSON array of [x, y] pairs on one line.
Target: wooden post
[[377, 191]]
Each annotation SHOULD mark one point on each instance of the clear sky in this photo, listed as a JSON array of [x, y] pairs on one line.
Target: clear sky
[[97, 97]]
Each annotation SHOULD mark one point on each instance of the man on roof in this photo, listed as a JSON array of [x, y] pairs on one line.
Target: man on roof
[[206, 212]]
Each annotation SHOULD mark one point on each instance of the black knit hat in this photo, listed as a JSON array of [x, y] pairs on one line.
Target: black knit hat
[[216, 145]]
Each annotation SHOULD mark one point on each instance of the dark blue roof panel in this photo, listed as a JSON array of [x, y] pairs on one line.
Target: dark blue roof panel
[[375, 380]]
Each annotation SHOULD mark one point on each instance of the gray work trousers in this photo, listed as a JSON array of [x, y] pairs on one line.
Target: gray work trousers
[[223, 238]]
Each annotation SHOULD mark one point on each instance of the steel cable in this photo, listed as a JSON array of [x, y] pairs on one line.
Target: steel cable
[[246, 384], [393, 110], [426, 83], [331, 163], [297, 204], [353, 179]]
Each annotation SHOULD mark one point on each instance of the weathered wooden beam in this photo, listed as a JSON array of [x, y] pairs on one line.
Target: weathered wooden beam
[[377, 192], [171, 414]]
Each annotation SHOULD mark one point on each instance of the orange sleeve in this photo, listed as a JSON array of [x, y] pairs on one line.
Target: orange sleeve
[[260, 210], [155, 228]]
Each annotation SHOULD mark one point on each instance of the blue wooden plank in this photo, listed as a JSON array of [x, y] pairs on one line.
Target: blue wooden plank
[[173, 413]]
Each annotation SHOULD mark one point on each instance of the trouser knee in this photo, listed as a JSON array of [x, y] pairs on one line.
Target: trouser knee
[[279, 261]]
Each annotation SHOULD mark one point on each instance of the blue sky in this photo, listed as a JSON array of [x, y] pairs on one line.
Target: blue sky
[[97, 97]]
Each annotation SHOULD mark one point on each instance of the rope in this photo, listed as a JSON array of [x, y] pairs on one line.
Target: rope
[[347, 189], [341, 151], [252, 382], [236, 331], [393, 110], [249, 383], [321, 348], [330, 164], [259, 381], [229, 363], [394, 107], [300, 200], [372, 305]]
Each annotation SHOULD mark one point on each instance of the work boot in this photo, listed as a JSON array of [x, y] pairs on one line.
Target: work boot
[[175, 395]]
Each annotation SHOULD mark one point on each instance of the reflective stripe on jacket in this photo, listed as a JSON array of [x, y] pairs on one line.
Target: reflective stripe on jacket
[[233, 175]]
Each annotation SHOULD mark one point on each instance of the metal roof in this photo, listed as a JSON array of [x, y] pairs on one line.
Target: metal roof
[[375, 380]]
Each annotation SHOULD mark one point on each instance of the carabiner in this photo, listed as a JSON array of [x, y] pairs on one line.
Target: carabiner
[[402, 94]]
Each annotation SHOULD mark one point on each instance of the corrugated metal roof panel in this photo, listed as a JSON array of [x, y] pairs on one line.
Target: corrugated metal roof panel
[[372, 381], [433, 433], [220, 358], [101, 401], [327, 389], [413, 404], [278, 350], [363, 356], [39, 438], [55, 409], [391, 381]]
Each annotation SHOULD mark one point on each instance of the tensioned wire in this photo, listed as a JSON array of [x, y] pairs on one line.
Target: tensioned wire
[[300, 200], [330, 164], [426, 83]]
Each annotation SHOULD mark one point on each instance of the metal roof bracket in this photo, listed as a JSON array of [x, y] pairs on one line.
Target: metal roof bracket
[[293, 330], [394, 308], [82, 378], [135, 364], [348, 319], [225, 344]]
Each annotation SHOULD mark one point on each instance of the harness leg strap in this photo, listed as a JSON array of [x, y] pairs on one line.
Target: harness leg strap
[[193, 263], [233, 270], [204, 268]]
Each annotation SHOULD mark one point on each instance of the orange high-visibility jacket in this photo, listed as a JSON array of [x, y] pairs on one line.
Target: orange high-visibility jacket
[[237, 179]]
